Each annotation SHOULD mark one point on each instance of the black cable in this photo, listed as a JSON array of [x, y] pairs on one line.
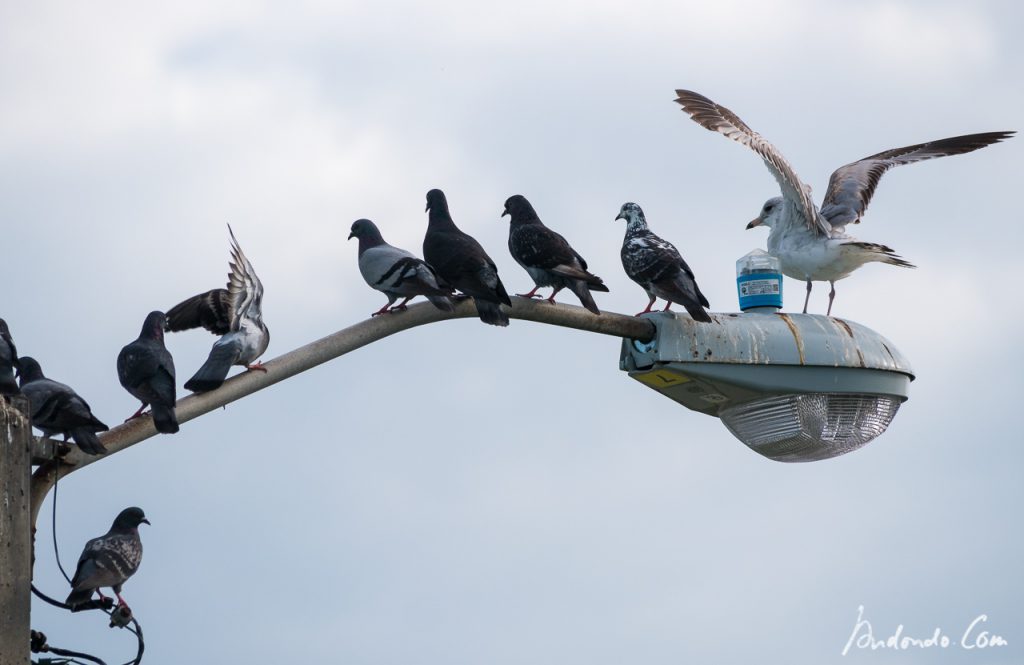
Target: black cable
[[38, 645], [53, 520]]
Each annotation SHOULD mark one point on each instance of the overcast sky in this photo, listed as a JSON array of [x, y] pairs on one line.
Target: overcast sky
[[467, 494]]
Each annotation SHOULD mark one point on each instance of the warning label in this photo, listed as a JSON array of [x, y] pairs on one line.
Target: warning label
[[760, 287]]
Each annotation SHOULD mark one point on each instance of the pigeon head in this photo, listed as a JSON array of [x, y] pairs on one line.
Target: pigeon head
[[154, 325], [28, 370], [436, 201], [4, 330], [519, 210], [633, 215], [771, 209], [129, 518], [367, 233]]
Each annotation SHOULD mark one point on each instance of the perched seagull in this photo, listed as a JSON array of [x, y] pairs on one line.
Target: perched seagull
[[811, 244], [395, 272], [110, 559], [57, 409], [547, 256], [146, 370], [656, 265], [460, 261], [8, 361], [235, 313]]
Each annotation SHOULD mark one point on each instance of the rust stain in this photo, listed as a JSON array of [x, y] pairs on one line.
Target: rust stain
[[796, 336], [849, 331]]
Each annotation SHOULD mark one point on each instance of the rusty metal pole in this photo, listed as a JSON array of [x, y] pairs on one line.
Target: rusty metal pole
[[15, 531]]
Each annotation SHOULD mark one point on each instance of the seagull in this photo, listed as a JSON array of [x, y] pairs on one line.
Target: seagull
[[110, 559], [811, 243], [8, 361], [656, 265], [547, 256], [460, 261], [146, 370], [235, 313], [395, 272], [57, 409]]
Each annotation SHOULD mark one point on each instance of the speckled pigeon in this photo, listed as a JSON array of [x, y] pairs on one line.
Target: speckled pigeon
[[395, 272], [460, 261], [547, 256], [146, 370], [656, 265], [8, 361], [235, 313], [108, 561], [57, 409]]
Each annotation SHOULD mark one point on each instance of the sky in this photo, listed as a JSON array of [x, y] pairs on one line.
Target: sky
[[461, 493]]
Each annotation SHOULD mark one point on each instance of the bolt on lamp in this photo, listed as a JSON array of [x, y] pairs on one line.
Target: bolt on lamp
[[792, 387]]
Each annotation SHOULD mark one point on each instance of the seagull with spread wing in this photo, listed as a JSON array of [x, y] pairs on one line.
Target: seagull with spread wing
[[235, 313], [811, 243]]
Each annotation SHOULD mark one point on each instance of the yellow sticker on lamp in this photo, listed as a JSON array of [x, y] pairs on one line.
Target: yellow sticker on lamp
[[661, 378]]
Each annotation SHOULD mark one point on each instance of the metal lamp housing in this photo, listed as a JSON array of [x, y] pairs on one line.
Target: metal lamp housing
[[792, 387]]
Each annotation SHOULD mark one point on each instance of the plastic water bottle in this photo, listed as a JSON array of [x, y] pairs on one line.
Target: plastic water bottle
[[759, 282]]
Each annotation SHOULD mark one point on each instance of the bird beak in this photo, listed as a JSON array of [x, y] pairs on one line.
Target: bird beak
[[757, 221], [619, 216], [428, 207], [504, 213], [146, 521], [351, 235]]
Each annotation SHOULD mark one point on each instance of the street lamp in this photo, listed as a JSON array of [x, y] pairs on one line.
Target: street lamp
[[792, 387]]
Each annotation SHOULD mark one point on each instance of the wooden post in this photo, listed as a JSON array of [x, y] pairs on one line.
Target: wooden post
[[15, 531]]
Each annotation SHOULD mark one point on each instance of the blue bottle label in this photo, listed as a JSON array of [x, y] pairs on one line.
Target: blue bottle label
[[759, 290]]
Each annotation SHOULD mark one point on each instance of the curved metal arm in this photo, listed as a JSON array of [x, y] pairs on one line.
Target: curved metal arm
[[318, 352]]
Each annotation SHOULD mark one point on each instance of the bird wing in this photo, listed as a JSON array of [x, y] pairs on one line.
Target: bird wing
[[244, 287], [210, 310], [649, 258], [711, 116], [851, 187]]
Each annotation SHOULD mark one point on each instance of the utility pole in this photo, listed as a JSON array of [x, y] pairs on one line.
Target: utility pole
[[15, 531]]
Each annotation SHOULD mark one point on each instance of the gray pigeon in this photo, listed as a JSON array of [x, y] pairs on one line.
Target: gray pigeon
[[395, 272], [57, 409], [146, 370], [460, 261], [244, 335], [547, 256], [8, 361], [656, 265], [108, 561]]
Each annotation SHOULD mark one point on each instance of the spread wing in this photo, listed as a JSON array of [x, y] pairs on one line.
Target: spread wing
[[711, 116], [244, 287], [851, 187]]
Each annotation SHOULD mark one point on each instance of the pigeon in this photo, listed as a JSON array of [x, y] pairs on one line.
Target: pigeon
[[547, 256], [395, 272], [8, 361], [146, 370], [656, 265], [811, 243], [57, 409], [109, 560], [460, 261], [234, 313]]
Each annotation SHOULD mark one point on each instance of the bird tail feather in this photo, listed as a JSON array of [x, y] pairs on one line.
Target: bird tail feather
[[697, 312], [79, 596], [580, 288], [88, 441], [443, 303], [491, 312], [213, 372], [164, 418]]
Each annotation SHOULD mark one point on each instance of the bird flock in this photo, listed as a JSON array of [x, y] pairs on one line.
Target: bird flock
[[810, 243]]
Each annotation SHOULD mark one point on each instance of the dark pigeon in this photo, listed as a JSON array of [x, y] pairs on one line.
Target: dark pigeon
[[656, 265], [460, 261], [8, 361], [395, 272], [108, 561], [57, 409], [547, 256], [235, 313], [146, 370]]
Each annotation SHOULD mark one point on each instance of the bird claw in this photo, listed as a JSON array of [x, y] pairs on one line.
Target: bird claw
[[530, 295], [257, 366]]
